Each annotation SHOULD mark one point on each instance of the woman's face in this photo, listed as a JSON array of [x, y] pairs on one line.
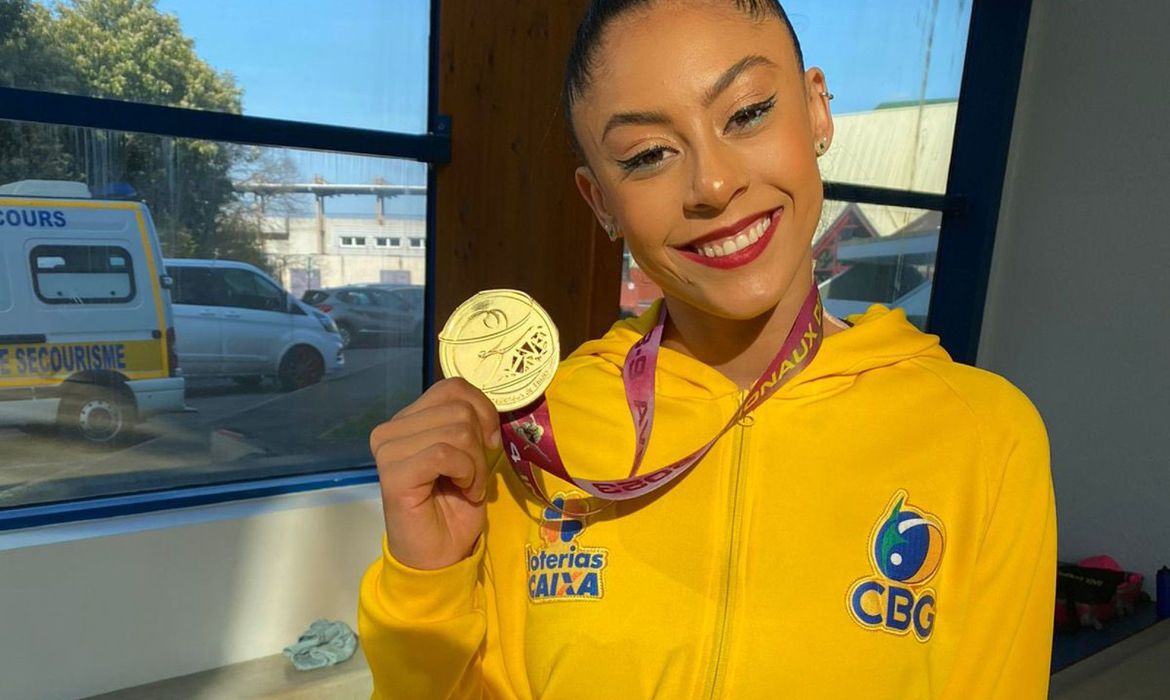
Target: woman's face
[[700, 134]]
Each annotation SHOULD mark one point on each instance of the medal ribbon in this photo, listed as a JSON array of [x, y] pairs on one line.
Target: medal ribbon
[[528, 435]]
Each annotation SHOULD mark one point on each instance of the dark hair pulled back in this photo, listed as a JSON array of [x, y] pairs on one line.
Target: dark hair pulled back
[[583, 54]]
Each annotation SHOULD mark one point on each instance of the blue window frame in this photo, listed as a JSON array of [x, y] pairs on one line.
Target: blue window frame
[[970, 205]]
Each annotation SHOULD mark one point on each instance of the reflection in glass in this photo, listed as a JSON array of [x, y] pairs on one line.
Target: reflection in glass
[[362, 64], [867, 254], [895, 70], [282, 376]]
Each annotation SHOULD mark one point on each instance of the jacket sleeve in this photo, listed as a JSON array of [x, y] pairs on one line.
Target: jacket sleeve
[[1006, 644], [432, 635]]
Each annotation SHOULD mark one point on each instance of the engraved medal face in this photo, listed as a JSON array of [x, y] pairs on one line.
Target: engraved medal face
[[504, 344]]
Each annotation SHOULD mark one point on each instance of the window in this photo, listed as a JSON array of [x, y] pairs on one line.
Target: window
[[81, 274], [245, 227], [355, 298], [384, 242], [391, 300], [315, 296], [5, 290], [894, 71], [416, 243], [247, 290], [369, 73], [196, 286], [412, 295]]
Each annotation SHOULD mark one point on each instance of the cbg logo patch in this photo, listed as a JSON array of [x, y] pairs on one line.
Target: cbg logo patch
[[561, 568], [906, 549]]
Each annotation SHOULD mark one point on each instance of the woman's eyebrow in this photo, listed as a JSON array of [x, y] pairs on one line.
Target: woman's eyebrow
[[731, 74], [713, 92], [627, 118]]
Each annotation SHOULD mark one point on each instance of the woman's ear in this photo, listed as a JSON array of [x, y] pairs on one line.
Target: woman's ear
[[820, 118], [594, 197]]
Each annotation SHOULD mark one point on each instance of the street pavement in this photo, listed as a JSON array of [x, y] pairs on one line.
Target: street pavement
[[230, 432]]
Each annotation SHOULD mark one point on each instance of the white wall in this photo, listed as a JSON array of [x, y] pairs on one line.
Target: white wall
[[1078, 313], [90, 608]]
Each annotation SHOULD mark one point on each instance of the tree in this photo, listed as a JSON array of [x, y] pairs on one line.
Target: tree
[[30, 59], [127, 50]]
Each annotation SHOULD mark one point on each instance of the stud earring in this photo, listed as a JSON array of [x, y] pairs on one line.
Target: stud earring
[[822, 146], [611, 231], [827, 94]]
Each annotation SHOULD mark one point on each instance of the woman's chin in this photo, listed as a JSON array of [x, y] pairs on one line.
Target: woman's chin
[[732, 307]]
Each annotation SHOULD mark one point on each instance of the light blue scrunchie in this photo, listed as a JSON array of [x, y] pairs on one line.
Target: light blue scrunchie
[[325, 643]]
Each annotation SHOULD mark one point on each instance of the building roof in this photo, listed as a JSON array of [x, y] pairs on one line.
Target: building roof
[[906, 147]]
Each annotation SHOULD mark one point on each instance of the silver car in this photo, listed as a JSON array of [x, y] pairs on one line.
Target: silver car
[[232, 320], [372, 313]]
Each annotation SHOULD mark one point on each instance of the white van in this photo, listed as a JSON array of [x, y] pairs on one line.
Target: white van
[[235, 321], [87, 338]]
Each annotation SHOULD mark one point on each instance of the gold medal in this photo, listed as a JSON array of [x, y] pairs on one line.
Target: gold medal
[[504, 344]]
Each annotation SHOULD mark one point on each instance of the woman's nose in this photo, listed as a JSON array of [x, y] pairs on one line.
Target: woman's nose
[[717, 178]]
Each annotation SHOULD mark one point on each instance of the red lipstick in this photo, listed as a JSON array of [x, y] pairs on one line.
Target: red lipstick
[[740, 257]]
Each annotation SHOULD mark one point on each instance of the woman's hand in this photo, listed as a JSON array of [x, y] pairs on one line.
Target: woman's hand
[[433, 462]]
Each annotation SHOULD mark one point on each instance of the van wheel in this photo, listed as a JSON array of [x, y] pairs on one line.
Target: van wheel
[[98, 415], [346, 334], [301, 367]]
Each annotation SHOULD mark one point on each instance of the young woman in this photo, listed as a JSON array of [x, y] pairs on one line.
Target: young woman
[[881, 526]]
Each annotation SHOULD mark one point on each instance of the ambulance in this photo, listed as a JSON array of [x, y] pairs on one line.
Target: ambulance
[[87, 340]]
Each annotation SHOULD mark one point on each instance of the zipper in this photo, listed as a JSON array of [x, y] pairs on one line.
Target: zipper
[[733, 543]]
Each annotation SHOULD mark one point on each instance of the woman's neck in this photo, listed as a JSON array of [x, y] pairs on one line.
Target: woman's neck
[[739, 349]]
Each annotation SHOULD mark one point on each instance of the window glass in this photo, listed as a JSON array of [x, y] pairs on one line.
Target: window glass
[[391, 300], [81, 274], [412, 296], [314, 296], [894, 70], [355, 298], [247, 290], [867, 254], [363, 66], [196, 286], [258, 411], [5, 286]]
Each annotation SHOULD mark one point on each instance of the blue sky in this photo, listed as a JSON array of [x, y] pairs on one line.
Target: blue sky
[[364, 62]]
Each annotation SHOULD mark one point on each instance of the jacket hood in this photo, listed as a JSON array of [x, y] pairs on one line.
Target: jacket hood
[[880, 337]]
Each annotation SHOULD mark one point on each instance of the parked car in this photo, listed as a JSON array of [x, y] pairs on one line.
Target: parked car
[[86, 327], [232, 320], [372, 312]]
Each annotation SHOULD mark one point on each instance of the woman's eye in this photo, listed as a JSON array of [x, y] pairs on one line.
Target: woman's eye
[[644, 159], [751, 115]]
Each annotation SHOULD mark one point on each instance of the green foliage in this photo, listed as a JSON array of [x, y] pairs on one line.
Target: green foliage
[[128, 50]]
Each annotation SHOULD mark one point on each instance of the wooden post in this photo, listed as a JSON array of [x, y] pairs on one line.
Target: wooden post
[[508, 211]]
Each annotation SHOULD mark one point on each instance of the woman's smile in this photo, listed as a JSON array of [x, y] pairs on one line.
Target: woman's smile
[[734, 246]]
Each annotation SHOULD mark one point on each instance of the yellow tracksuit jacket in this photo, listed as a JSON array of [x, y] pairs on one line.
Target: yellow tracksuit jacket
[[882, 527]]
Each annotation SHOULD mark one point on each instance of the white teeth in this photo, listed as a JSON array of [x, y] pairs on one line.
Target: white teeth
[[738, 242]]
